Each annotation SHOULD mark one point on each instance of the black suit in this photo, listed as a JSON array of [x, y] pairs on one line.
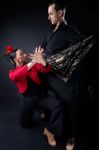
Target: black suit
[[75, 91]]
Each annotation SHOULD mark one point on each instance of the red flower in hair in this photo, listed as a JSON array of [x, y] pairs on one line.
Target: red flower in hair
[[9, 49]]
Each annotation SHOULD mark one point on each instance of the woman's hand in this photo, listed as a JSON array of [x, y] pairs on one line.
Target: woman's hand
[[38, 56]]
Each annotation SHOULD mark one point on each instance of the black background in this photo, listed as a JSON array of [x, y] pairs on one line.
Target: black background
[[24, 24]]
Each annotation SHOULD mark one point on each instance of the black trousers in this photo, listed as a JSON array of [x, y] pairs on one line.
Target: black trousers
[[72, 94], [49, 103]]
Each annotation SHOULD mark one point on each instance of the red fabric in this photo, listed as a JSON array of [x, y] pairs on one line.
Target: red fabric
[[19, 75], [9, 49]]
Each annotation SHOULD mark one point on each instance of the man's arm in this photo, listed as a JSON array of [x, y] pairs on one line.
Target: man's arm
[[67, 60]]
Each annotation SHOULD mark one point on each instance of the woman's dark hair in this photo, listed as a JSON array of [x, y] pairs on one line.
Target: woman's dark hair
[[10, 54]]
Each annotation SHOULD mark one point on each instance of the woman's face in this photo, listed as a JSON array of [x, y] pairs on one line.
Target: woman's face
[[21, 57]]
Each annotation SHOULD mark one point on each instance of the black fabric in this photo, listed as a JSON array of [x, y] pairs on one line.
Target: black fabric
[[34, 99], [33, 89], [61, 39], [66, 61], [74, 92], [12, 136]]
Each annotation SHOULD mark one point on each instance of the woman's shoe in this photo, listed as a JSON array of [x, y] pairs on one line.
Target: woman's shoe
[[70, 144], [50, 137]]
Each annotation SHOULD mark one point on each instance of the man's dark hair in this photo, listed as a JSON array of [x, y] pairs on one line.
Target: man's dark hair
[[59, 4]]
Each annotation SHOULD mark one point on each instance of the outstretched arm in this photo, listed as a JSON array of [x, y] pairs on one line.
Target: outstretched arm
[[40, 63]]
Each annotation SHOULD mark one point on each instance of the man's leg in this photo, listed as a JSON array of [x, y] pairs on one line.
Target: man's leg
[[73, 93]]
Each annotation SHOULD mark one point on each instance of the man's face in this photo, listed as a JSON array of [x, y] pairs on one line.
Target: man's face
[[53, 15], [20, 58]]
